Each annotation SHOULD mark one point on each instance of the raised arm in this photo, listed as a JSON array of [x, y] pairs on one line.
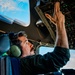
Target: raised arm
[[59, 21]]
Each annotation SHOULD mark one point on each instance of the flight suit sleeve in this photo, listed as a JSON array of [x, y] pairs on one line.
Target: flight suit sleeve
[[50, 62]]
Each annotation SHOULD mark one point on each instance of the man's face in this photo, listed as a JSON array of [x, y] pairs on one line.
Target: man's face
[[27, 47]]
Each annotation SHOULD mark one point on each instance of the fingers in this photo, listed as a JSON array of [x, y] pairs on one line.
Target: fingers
[[56, 7], [56, 10], [50, 18], [56, 13]]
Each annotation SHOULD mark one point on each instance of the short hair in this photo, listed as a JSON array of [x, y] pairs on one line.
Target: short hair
[[14, 37]]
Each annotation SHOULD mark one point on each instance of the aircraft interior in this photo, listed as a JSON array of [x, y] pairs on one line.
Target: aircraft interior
[[40, 30]]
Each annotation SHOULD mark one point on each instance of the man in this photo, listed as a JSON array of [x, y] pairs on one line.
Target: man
[[50, 62]]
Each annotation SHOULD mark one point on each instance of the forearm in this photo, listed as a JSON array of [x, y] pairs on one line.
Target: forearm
[[61, 36]]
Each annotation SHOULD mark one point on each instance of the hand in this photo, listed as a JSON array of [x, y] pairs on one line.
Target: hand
[[58, 16], [50, 18]]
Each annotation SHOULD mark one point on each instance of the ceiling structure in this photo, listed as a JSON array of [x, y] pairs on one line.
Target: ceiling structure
[[41, 30], [67, 8]]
